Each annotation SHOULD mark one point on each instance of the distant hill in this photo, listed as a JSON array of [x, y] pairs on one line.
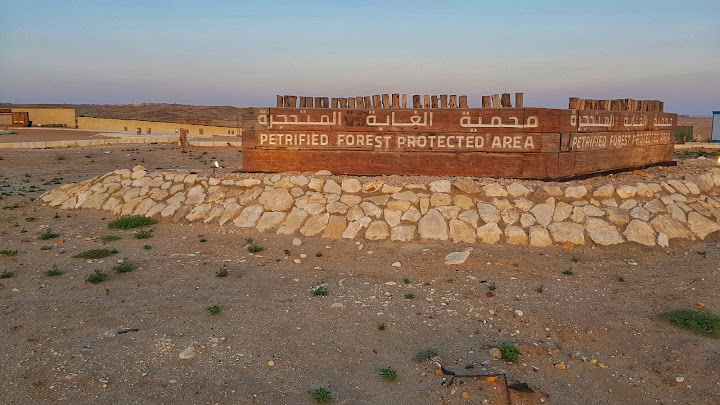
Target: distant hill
[[227, 116]]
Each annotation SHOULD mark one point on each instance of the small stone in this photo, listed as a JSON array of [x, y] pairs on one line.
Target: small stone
[[495, 190], [296, 242], [626, 191], [561, 366], [495, 353], [433, 226], [517, 190], [391, 283], [457, 257], [440, 186], [396, 264], [337, 305], [187, 353], [575, 192], [297, 261], [518, 312], [351, 185], [489, 233], [323, 173], [271, 363], [679, 379]]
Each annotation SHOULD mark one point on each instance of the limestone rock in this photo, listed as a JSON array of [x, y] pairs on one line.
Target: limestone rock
[[461, 232], [170, 210], [670, 227], [351, 186], [527, 220], [355, 213], [495, 190], [335, 228], [316, 184], [640, 232], [355, 226], [509, 217], [539, 236], [270, 220], [640, 213], [552, 190], [518, 190], [323, 173], [489, 233], [701, 226], [378, 230], [412, 215], [433, 226], [440, 186], [567, 232], [470, 187], [314, 208], [543, 214], [663, 240], [604, 191], [406, 196], [249, 216], [337, 208], [562, 212], [679, 186], [350, 200], [626, 191], [488, 212], [373, 186], [502, 204], [199, 212], [470, 216], [602, 232], [278, 199], [332, 187], [457, 257], [515, 235], [440, 199], [388, 189], [618, 216], [398, 205], [371, 210], [156, 209], [593, 211], [463, 201], [299, 180], [293, 221], [523, 204], [392, 217], [424, 205], [644, 190], [575, 192], [403, 233], [315, 225]]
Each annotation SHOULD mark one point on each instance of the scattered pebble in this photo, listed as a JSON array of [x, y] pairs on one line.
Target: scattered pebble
[[337, 305], [457, 257], [396, 264], [495, 353], [271, 363], [296, 261], [187, 353], [632, 262], [297, 242], [680, 379], [303, 255], [391, 283], [518, 312]]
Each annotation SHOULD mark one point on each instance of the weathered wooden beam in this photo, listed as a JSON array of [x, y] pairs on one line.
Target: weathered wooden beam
[[343, 102], [416, 103], [367, 102], [351, 102], [518, 100], [280, 101], [486, 101], [505, 100], [404, 101], [462, 102], [376, 101], [496, 101], [303, 103], [453, 101], [433, 101], [395, 101], [334, 102], [386, 101], [318, 102], [426, 101], [443, 101]]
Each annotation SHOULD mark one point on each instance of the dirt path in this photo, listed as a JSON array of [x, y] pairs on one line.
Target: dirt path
[[61, 341]]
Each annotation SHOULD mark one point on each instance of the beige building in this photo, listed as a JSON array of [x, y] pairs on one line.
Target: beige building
[[49, 117], [153, 127]]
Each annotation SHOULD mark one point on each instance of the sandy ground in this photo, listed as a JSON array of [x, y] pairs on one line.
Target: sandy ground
[[44, 134], [61, 341]]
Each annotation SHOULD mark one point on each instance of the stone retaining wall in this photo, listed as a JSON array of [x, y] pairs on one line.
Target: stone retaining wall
[[461, 211]]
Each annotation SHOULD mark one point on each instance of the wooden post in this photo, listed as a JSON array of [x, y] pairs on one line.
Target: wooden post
[[505, 100], [453, 101], [496, 101], [426, 101], [395, 101], [351, 102], [376, 99], [324, 102], [139, 131], [359, 102], [293, 101], [279, 101], [318, 102], [303, 102], [462, 102], [367, 101], [661, 106], [334, 102], [573, 104], [404, 101], [183, 138], [286, 101], [433, 101], [518, 100], [416, 101], [486, 101], [343, 102], [443, 101], [385, 101]]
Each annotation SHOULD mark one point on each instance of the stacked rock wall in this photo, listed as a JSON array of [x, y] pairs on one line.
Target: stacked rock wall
[[461, 211]]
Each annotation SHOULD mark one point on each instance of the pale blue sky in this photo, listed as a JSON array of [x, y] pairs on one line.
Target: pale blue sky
[[243, 53]]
